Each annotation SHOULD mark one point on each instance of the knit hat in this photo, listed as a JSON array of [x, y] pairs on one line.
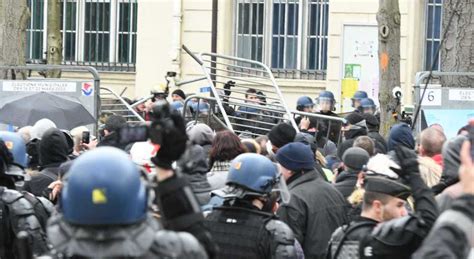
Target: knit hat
[[296, 156], [371, 121], [355, 158], [40, 128], [452, 157], [354, 118], [281, 134], [180, 93], [200, 134], [400, 134]]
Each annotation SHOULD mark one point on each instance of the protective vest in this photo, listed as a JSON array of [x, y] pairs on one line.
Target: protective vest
[[17, 214], [345, 242], [239, 232]]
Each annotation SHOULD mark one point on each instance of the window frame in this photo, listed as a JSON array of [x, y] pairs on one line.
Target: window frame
[[427, 40], [303, 34], [80, 34]]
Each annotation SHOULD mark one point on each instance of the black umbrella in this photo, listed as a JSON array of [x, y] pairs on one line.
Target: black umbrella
[[65, 112]]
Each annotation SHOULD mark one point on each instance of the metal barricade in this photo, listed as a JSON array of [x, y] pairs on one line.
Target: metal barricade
[[210, 118], [328, 126], [113, 103], [246, 95]]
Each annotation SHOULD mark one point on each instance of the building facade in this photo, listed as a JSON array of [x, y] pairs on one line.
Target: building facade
[[310, 45]]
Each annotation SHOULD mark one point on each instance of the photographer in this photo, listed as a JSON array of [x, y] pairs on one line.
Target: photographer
[[115, 221]]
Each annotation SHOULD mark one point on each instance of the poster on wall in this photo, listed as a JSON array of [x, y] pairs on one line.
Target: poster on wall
[[360, 66]]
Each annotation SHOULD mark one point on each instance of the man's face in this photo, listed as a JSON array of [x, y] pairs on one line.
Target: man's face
[[252, 98], [308, 109], [369, 110], [395, 208], [355, 103], [284, 172], [176, 97], [325, 106]]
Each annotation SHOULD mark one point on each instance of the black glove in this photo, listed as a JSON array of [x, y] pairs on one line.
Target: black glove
[[173, 140], [227, 87], [408, 161]]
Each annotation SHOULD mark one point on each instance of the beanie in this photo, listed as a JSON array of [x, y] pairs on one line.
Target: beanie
[[355, 158], [401, 134], [281, 134], [354, 118], [296, 156], [180, 93]]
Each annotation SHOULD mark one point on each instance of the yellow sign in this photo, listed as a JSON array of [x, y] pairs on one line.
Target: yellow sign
[[348, 88], [99, 196]]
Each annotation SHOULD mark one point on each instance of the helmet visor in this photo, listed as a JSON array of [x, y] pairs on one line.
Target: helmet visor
[[282, 189]]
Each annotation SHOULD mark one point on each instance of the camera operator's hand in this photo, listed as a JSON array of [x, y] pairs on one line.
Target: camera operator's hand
[[173, 142], [408, 161]]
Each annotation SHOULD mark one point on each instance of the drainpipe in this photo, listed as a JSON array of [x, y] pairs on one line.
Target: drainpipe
[[176, 37], [214, 38]]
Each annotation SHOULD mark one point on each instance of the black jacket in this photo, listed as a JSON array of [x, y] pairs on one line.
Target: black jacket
[[350, 137], [53, 151], [315, 210], [380, 143], [345, 183], [112, 140]]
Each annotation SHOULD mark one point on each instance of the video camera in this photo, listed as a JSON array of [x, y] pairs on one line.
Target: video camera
[[160, 122]]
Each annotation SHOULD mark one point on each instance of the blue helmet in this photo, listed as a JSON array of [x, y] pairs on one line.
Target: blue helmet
[[367, 103], [177, 106], [103, 187], [304, 101], [253, 172], [358, 95], [200, 106], [16, 146], [326, 95]]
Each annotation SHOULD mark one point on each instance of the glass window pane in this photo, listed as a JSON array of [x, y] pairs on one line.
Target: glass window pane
[[279, 19], [96, 47], [311, 54], [70, 46], [437, 22], [291, 53], [124, 17], [97, 16], [246, 19], [428, 55], [429, 32], [123, 48], [70, 16], [293, 19], [135, 13]]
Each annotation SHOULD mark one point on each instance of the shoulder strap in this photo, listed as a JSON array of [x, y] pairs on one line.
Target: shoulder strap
[[351, 228], [40, 211]]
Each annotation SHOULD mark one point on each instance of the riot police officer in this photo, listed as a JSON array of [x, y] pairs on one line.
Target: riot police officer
[[384, 230], [367, 105], [245, 227], [356, 98], [104, 213], [326, 103], [21, 212]]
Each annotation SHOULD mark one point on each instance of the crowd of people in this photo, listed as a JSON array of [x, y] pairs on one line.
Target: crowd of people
[[189, 191]]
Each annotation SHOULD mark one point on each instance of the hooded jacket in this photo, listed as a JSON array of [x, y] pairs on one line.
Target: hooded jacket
[[401, 134], [202, 135], [53, 151], [194, 166]]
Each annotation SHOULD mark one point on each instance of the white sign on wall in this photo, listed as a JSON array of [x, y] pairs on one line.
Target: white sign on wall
[[360, 62], [38, 86], [461, 95], [433, 97]]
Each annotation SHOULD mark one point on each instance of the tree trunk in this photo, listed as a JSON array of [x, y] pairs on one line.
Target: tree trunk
[[457, 53], [54, 44], [388, 18], [14, 15]]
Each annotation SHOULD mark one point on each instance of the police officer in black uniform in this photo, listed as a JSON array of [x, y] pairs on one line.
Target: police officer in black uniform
[[21, 213], [245, 227], [397, 236]]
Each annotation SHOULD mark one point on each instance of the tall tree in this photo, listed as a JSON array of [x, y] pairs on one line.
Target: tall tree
[[457, 53], [54, 43], [388, 18], [14, 15]]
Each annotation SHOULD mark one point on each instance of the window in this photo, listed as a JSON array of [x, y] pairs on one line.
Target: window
[[433, 31], [289, 35], [100, 33]]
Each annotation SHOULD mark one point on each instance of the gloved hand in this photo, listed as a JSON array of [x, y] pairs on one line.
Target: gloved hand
[[173, 140], [408, 161], [227, 87]]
